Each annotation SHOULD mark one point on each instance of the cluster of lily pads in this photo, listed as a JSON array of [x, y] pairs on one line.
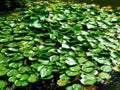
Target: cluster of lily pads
[[79, 43]]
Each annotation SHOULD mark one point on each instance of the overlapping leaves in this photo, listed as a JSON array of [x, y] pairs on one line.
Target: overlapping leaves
[[79, 43]]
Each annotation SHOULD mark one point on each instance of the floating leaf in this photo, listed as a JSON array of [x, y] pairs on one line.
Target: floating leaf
[[3, 72], [104, 75], [106, 68], [71, 73], [71, 61], [36, 24], [81, 38], [62, 82], [2, 84], [74, 87], [64, 77], [12, 79], [24, 69], [87, 69], [47, 77], [12, 72], [45, 71], [88, 79], [16, 64], [22, 77], [33, 78], [81, 60], [89, 64], [64, 45], [75, 68]]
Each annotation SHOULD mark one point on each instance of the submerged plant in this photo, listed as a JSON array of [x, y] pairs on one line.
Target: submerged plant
[[79, 43]]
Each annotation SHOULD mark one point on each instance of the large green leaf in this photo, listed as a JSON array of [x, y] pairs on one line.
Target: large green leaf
[[45, 71], [3, 83], [36, 24], [104, 75], [71, 61], [33, 78], [88, 79]]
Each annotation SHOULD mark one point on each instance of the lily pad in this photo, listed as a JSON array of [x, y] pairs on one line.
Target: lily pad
[[104, 75], [45, 71], [33, 78], [88, 79], [3, 83]]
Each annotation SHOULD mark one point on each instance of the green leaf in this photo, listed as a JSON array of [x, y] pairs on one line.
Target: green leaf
[[15, 64], [53, 36], [2, 84], [89, 64], [104, 75], [18, 83], [74, 87], [54, 58], [36, 24], [77, 87], [91, 26], [81, 60], [28, 38], [64, 77], [24, 69], [45, 71], [106, 68], [75, 68], [12, 79], [47, 77], [22, 77], [64, 45], [87, 69], [71, 73], [12, 49], [69, 88], [71, 61], [33, 78], [12, 72], [88, 79], [28, 53], [62, 82], [6, 31], [3, 72], [81, 38], [78, 26], [24, 83]]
